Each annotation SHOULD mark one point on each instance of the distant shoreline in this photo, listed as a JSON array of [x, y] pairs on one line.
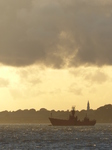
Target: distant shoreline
[[102, 115]]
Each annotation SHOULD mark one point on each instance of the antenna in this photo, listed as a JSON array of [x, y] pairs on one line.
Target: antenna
[[73, 111]]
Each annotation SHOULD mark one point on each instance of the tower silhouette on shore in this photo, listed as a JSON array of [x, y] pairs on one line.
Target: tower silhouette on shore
[[88, 106]]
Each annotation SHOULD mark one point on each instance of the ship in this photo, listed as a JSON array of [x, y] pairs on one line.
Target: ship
[[72, 121]]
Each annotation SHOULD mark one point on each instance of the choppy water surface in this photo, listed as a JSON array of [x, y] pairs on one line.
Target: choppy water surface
[[33, 137]]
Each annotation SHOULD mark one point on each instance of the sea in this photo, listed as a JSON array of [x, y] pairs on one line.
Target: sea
[[46, 137]]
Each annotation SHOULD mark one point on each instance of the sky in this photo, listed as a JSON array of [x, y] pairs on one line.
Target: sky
[[55, 54]]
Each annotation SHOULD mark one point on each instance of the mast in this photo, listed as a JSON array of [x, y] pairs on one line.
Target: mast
[[73, 111]]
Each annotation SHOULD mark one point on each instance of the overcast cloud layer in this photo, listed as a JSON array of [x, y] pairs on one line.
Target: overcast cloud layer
[[56, 33]]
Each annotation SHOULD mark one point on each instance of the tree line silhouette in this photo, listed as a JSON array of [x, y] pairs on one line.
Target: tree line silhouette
[[102, 114]]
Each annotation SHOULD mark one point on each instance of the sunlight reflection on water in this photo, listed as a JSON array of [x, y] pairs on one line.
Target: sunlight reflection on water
[[34, 136]]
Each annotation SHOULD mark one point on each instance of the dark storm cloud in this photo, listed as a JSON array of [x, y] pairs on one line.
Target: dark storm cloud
[[55, 33]]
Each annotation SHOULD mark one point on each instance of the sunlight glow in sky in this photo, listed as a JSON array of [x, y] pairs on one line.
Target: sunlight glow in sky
[[32, 87], [55, 54]]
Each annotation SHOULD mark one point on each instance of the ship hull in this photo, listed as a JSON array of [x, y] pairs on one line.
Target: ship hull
[[62, 122]]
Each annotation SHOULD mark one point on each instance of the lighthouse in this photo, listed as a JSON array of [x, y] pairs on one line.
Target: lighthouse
[[88, 106]]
